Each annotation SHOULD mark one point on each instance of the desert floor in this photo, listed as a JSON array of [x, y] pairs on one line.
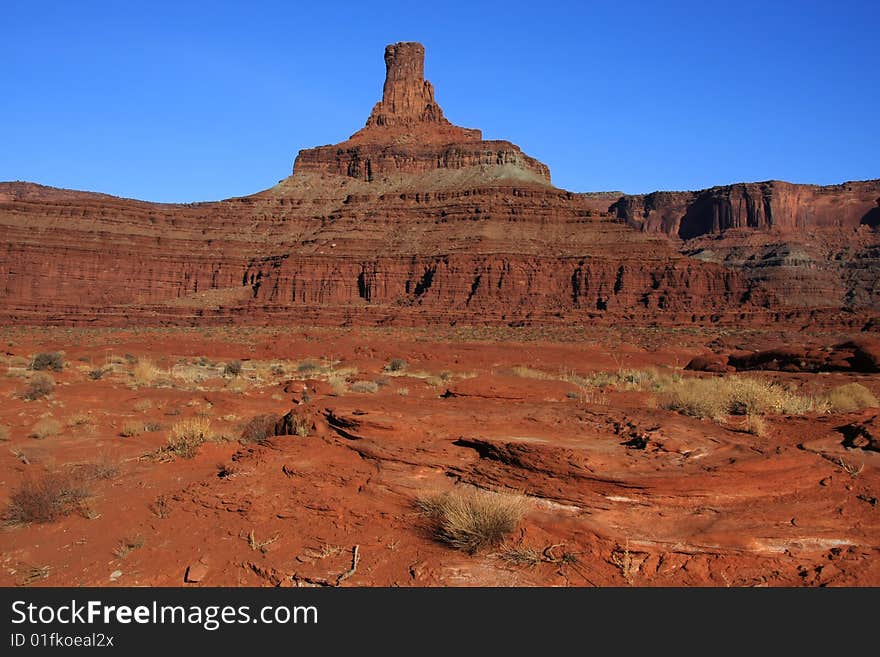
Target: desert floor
[[143, 464]]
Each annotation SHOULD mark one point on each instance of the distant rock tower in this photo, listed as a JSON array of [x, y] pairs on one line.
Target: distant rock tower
[[407, 97]]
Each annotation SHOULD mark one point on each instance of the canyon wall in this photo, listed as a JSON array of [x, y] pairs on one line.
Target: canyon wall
[[414, 220]]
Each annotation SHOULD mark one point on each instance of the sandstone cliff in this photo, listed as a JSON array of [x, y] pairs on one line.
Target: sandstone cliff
[[413, 220], [810, 246]]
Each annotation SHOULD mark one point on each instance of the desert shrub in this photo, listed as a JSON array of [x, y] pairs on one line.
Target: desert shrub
[[131, 428], [46, 498], [145, 373], [259, 428], [307, 367], [850, 397], [4, 433], [702, 398], [48, 360], [396, 365], [364, 386], [233, 368], [152, 426], [474, 520], [39, 386], [97, 374], [79, 420], [44, 428], [187, 435], [716, 398], [756, 425], [103, 468], [338, 384]]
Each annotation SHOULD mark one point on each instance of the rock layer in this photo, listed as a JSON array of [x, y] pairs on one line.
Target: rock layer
[[415, 220], [810, 245]]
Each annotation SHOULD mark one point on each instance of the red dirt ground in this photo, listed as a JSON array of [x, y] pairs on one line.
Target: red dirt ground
[[703, 504]]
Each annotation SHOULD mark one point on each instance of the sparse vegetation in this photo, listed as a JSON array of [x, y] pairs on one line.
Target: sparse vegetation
[[718, 397], [97, 373], [187, 435], [49, 360], [396, 365], [338, 384], [131, 428], [45, 498], [101, 469], [520, 555], [473, 520], [307, 367], [850, 397], [365, 386], [756, 425], [127, 546], [44, 428], [39, 386], [145, 373], [81, 419], [232, 368], [259, 428], [260, 546]]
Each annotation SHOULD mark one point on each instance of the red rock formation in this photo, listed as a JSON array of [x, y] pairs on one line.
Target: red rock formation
[[407, 133], [771, 206], [810, 245], [415, 220]]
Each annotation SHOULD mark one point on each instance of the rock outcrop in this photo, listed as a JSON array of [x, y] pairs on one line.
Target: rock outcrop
[[811, 246], [407, 133], [415, 220]]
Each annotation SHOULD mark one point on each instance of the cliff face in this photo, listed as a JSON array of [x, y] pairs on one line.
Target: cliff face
[[810, 245], [411, 220], [769, 206]]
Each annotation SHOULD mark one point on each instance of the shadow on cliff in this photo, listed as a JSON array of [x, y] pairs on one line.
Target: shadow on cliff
[[699, 218], [872, 218]]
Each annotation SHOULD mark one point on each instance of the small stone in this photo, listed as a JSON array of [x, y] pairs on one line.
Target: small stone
[[825, 482], [116, 574], [195, 573]]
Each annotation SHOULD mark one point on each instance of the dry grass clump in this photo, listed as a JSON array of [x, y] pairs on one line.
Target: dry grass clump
[[850, 397], [81, 419], [104, 468], [396, 365], [232, 368], [365, 386], [716, 398], [128, 545], [187, 435], [131, 428], [50, 360], [145, 373], [45, 498], [44, 428], [39, 386], [308, 367], [97, 373], [473, 520], [338, 384], [259, 428]]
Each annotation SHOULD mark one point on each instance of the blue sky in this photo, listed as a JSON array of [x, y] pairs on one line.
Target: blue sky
[[186, 101]]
